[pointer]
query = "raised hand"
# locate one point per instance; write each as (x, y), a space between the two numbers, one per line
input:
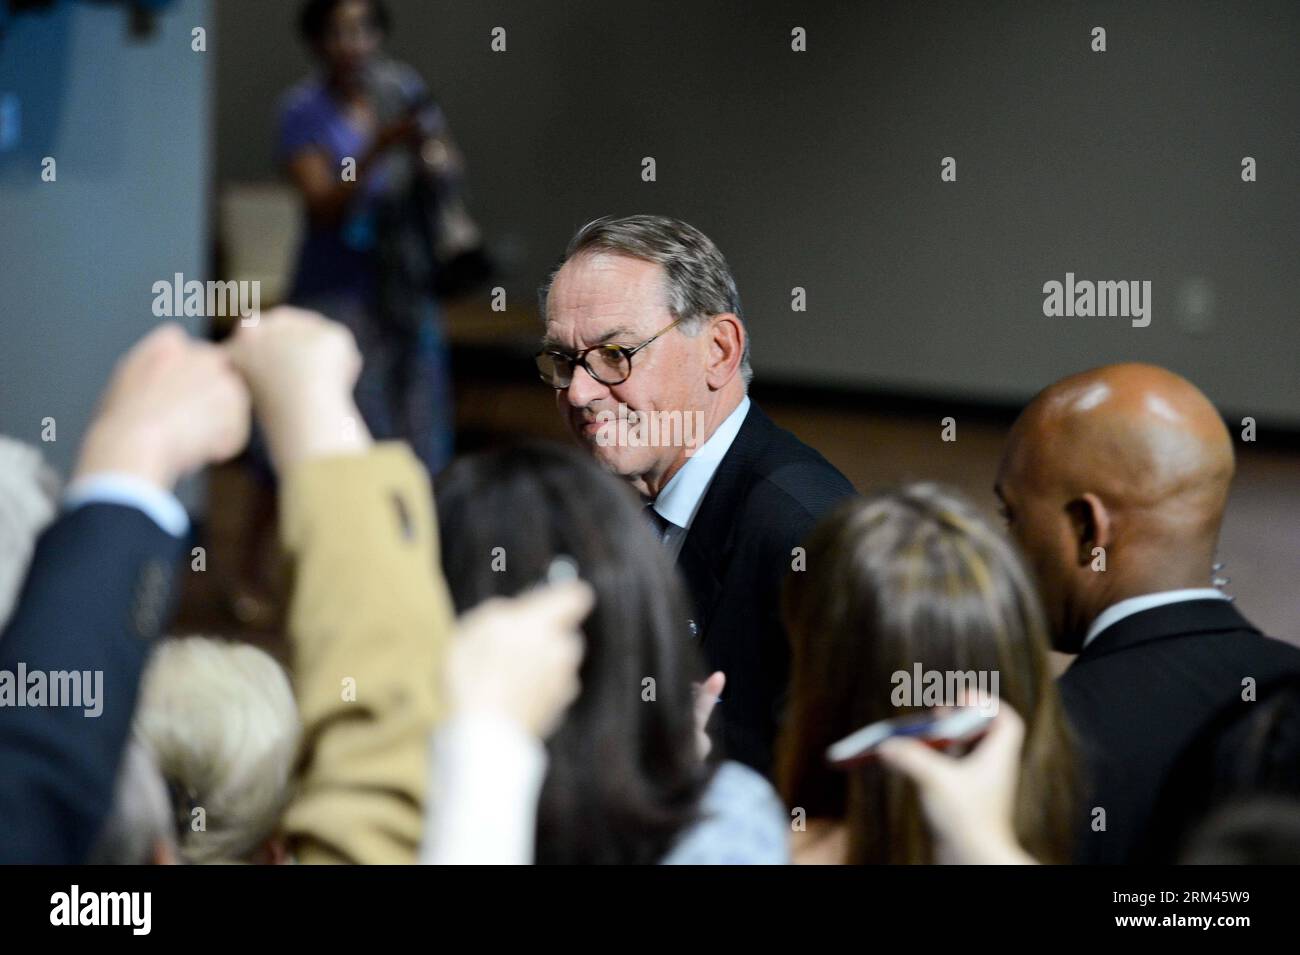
(173, 405)
(301, 369)
(968, 802)
(518, 657)
(707, 695)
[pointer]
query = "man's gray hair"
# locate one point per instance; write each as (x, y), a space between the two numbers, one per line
(141, 820)
(699, 282)
(221, 720)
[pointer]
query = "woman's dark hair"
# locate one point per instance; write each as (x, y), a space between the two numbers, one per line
(625, 777)
(314, 18)
(914, 576)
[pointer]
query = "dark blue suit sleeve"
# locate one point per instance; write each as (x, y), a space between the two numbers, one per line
(96, 597)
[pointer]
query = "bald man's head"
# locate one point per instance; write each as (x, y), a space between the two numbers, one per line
(1114, 482)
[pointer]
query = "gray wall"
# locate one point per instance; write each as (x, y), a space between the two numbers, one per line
(127, 123)
(821, 169)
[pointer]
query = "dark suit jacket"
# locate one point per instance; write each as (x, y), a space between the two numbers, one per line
(96, 597)
(1139, 695)
(767, 493)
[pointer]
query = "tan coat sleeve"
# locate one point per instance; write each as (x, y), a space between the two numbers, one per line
(368, 625)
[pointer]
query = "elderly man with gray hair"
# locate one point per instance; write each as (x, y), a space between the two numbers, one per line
(648, 354)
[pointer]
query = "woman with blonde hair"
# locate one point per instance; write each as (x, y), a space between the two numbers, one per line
(906, 578)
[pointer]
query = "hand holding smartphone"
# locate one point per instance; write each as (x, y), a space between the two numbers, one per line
(941, 728)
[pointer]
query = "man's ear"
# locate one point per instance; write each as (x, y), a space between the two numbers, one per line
(1091, 526)
(726, 348)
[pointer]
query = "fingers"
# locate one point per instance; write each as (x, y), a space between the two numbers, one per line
(1005, 738)
(245, 346)
(560, 609)
(230, 404)
(915, 760)
(706, 697)
(1000, 747)
(169, 337)
(563, 605)
(159, 346)
(242, 349)
(550, 607)
(554, 612)
(519, 657)
(174, 404)
(301, 369)
(566, 658)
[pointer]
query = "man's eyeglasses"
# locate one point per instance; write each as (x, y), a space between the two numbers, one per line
(609, 364)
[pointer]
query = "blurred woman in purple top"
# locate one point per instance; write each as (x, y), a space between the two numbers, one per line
(369, 151)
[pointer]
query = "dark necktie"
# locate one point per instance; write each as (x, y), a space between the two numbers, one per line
(657, 521)
(661, 525)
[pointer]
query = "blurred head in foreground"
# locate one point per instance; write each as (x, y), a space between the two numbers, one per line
(625, 776)
(221, 721)
(140, 829)
(906, 578)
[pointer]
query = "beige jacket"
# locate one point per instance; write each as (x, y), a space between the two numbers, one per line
(368, 626)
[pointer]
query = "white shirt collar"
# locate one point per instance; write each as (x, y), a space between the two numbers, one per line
(1126, 608)
(681, 497)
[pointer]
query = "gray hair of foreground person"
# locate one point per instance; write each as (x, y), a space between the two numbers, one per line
(140, 829)
(29, 494)
(221, 720)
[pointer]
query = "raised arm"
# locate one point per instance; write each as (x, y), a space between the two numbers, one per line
(99, 591)
(370, 615)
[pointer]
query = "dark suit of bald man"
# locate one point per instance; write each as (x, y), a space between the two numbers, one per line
(1138, 695)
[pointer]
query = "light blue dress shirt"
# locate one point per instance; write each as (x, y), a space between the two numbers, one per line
(680, 499)
(111, 487)
(1126, 608)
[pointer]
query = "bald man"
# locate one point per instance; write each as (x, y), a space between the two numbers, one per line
(1114, 483)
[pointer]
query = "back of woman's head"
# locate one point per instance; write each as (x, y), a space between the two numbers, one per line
(624, 776)
(221, 721)
(914, 577)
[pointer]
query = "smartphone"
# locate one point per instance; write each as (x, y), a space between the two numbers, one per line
(938, 729)
(561, 568)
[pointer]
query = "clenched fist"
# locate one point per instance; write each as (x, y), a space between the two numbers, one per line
(301, 369)
(173, 405)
